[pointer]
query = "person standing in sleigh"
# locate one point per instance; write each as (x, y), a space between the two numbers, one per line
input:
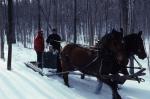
(54, 40)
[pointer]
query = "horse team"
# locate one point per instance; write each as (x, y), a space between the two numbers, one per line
(109, 56)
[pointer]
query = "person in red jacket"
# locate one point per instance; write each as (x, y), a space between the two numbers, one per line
(39, 47)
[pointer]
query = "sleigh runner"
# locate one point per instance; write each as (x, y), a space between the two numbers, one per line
(49, 61)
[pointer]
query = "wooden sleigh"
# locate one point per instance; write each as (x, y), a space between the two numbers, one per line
(49, 61)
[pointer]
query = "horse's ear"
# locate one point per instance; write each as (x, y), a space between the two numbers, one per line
(140, 33)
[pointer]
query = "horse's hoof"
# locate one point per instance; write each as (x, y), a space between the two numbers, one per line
(117, 96)
(67, 85)
(82, 76)
(97, 92)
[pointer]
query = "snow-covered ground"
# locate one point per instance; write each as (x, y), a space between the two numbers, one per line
(23, 83)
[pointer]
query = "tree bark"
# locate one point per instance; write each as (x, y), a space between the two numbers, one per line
(75, 21)
(124, 15)
(1, 31)
(10, 30)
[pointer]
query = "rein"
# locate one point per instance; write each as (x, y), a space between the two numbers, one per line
(137, 62)
(140, 66)
(87, 65)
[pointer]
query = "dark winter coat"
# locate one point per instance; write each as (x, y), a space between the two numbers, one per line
(54, 40)
(39, 42)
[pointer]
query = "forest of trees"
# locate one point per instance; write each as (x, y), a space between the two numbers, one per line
(75, 20)
(93, 18)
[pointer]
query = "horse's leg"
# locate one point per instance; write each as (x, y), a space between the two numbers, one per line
(113, 86)
(99, 86)
(82, 76)
(104, 70)
(115, 91)
(125, 71)
(65, 75)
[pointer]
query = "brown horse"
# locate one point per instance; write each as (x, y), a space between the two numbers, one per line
(133, 45)
(102, 61)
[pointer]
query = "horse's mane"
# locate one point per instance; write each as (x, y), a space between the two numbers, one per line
(104, 41)
(107, 38)
(130, 36)
(131, 39)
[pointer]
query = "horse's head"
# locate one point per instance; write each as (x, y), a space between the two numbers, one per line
(134, 45)
(116, 45)
(113, 42)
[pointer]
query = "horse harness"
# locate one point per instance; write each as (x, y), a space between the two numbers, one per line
(101, 54)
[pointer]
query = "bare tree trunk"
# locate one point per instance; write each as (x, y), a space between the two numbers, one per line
(1, 32)
(148, 56)
(92, 22)
(2, 44)
(124, 15)
(39, 16)
(131, 29)
(147, 36)
(106, 15)
(17, 21)
(55, 13)
(10, 19)
(147, 45)
(75, 21)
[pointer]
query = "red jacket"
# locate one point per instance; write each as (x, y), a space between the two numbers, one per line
(39, 42)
